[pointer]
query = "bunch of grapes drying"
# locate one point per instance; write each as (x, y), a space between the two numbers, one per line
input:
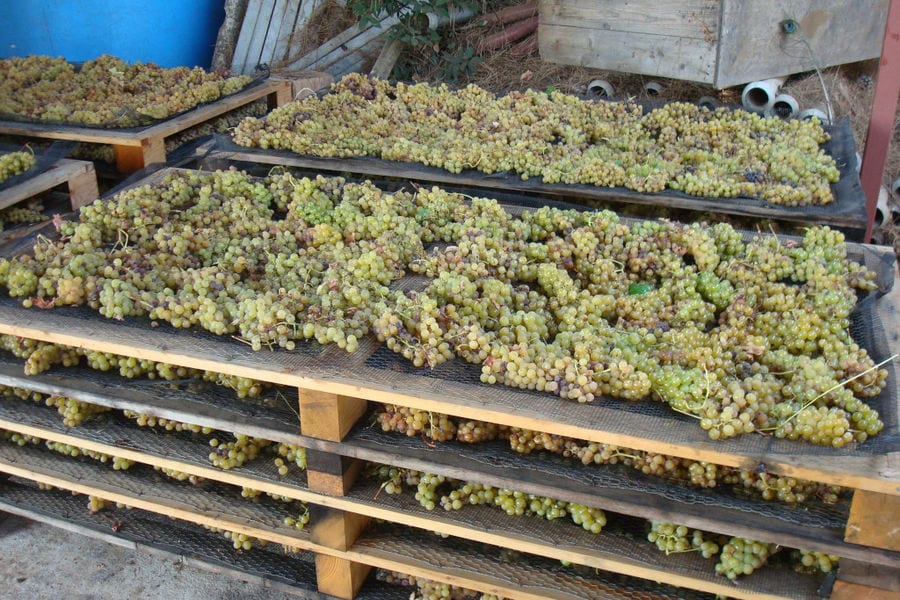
(743, 335)
(13, 163)
(722, 153)
(105, 91)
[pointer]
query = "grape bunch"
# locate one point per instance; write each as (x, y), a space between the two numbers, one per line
(719, 153)
(14, 163)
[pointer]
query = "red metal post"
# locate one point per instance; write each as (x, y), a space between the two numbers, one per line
(884, 107)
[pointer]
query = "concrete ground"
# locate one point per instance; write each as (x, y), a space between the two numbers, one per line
(42, 562)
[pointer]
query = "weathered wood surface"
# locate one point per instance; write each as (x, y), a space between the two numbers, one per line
(874, 520)
(753, 46)
(718, 42)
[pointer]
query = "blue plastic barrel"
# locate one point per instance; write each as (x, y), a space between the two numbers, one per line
(169, 33)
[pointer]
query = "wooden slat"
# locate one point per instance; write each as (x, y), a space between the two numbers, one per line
(881, 577)
(78, 174)
(281, 26)
(697, 19)
(874, 520)
(753, 46)
(254, 26)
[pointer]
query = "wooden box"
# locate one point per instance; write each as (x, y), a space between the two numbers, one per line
(717, 42)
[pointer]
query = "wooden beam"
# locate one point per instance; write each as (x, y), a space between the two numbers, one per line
(328, 416)
(881, 123)
(331, 474)
(844, 590)
(340, 577)
(334, 528)
(874, 521)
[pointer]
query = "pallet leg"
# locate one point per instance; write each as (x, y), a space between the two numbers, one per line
(334, 528)
(340, 577)
(134, 158)
(281, 96)
(328, 416)
(83, 187)
(873, 520)
(331, 474)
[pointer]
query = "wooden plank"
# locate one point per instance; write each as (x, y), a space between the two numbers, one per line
(254, 19)
(328, 416)
(698, 19)
(753, 46)
(387, 58)
(882, 577)
(281, 27)
(874, 520)
(79, 174)
(687, 58)
(844, 590)
(263, 27)
(340, 577)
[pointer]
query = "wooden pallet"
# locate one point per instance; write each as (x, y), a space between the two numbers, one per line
(334, 390)
(78, 175)
(139, 147)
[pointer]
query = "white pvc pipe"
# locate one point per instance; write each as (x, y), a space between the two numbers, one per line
(600, 88)
(457, 15)
(809, 113)
(758, 95)
(653, 88)
(784, 106)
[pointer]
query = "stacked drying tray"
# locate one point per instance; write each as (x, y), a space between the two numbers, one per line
(132, 107)
(338, 394)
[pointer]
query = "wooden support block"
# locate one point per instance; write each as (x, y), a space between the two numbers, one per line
(133, 158)
(880, 577)
(873, 520)
(328, 416)
(340, 577)
(331, 474)
(844, 590)
(83, 187)
(281, 96)
(335, 528)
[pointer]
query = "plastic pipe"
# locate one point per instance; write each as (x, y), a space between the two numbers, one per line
(709, 102)
(784, 106)
(457, 15)
(758, 95)
(600, 88)
(809, 113)
(653, 88)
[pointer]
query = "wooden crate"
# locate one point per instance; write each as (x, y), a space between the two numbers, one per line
(718, 42)
(139, 147)
(328, 391)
